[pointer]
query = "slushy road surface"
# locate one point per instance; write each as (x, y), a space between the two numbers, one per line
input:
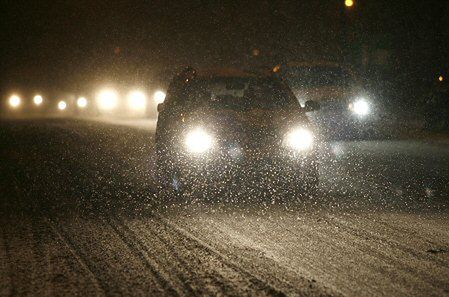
(80, 215)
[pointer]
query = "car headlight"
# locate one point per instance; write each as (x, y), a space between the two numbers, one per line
(107, 100)
(299, 139)
(198, 141)
(360, 107)
(159, 96)
(62, 105)
(137, 100)
(81, 102)
(38, 100)
(14, 101)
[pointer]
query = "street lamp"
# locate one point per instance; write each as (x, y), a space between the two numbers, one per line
(349, 3)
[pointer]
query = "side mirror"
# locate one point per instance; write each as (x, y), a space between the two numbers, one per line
(160, 107)
(311, 105)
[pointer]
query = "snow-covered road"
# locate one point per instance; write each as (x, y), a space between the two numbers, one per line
(80, 216)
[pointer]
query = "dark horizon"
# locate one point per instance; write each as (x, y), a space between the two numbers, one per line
(70, 47)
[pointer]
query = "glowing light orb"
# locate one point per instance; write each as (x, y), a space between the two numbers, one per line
(81, 102)
(62, 105)
(360, 107)
(159, 96)
(349, 3)
(198, 141)
(14, 101)
(107, 100)
(137, 100)
(38, 100)
(300, 139)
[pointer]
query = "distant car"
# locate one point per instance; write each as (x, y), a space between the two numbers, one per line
(346, 109)
(227, 127)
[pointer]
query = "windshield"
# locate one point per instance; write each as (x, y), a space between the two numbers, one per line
(318, 76)
(239, 93)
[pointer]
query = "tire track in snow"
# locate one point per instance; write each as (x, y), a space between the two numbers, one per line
(343, 275)
(210, 277)
(304, 269)
(260, 284)
(179, 267)
(136, 248)
(375, 259)
(394, 252)
(100, 285)
(358, 231)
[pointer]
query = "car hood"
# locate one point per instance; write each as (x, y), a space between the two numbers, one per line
(325, 94)
(254, 118)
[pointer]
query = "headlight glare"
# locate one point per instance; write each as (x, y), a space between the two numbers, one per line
(360, 107)
(299, 139)
(159, 96)
(62, 105)
(14, 101)
(38, 100)
(81, 102)
(137, 100)
(198, 141)
(107, 100)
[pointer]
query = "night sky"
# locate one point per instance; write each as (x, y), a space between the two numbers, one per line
(71, 45)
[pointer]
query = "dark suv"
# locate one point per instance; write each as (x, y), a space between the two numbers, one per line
(227, 127)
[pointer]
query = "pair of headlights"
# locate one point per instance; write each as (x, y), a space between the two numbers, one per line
(199, 141)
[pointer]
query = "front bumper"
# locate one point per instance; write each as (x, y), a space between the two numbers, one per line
(254, 169)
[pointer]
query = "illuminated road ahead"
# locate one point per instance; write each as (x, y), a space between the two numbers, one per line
(80, 215)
